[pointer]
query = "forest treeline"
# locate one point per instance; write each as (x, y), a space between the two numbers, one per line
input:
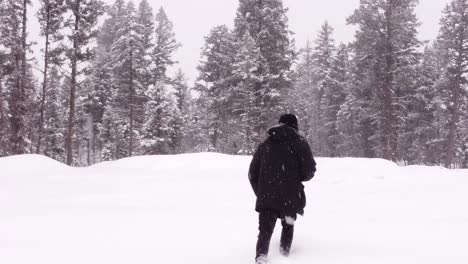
(108, 86)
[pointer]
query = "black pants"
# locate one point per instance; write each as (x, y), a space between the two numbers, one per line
(267, 222)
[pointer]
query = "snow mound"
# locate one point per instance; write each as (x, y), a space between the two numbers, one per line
(28, 164)
(198, 209)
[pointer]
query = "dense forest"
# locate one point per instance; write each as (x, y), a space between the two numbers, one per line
(109, 87)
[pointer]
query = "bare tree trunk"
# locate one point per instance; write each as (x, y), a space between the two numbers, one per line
(44, 83)
(132, 95)
(389, 129)
(93, 144)
(454, 111)
(23, 47)
(456, 94)
(2, 121)
(88, 152)
(74, 59)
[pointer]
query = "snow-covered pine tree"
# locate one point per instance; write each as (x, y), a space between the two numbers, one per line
(157, 131)
(17, 84)
(108, 136)
(180, 116)
(246, 69)
(108, 30)
(99, 95)
(334, 98)
(386, 46)
(351, 120)
(82, 24)
(54, 129)
(323, 92)
(160, 130)
(101, 91)
(300, 99)
(213, 83)
(51, 19)
(453, 94)
(267, 23)
(146, 20)
(196, 132)
(165, 46)
(128, 58)
(423, 123)
(407, 89)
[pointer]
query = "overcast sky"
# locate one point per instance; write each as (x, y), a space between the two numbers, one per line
(194, 19)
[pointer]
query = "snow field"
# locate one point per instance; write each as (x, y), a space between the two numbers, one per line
(198, 208)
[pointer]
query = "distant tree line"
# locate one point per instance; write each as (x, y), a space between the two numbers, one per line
(109, 87)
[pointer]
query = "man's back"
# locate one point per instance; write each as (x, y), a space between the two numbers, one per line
(278, 169)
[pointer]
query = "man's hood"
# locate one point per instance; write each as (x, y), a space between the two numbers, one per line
(282, 133)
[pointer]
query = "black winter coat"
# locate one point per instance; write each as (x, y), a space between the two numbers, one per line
(277, 170)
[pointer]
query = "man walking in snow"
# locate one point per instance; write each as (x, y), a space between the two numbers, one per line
(276, 173)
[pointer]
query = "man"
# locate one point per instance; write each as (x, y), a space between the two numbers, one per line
(276, 173)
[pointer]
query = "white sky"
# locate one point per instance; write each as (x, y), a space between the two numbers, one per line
(194, 19)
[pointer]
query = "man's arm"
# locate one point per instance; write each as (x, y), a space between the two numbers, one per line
(307, 162)
(254, 170)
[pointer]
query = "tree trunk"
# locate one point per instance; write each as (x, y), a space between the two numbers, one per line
(44, 83)
(74, 59)
(389, 129)
(132, 95)
(454, 110)
(23, 47)
(88, 151)
(2, 122)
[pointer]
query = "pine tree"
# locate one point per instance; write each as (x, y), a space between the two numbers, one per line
(246, 74)
(16, 80)
(350, 122)
(54, 130)
(196, 133)
(453, 42)
(161, 131)
(213, 82)
(166, 45)
(103, 89)
(85, 14)
(99, 96)
(108, 132)
(145, 19)
(266, 22)
(423, 123)
(108, 31)
(128, 55)
(180, 115)
(334, 98)
(386, 45)
(51, 18)
(157, 131)
(323, 56)
(301, 98)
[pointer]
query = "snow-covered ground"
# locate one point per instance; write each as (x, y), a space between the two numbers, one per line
(198, 209)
